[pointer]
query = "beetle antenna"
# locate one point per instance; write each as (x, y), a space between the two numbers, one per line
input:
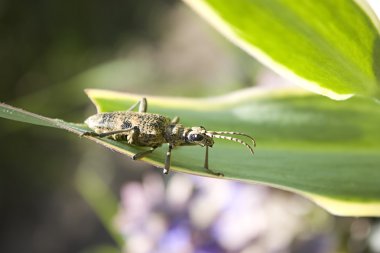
(234, 133)
(231, 139)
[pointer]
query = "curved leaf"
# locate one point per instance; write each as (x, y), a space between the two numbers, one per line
(325, 150)
(329, 47)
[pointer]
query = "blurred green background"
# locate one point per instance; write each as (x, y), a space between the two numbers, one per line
(49, 52)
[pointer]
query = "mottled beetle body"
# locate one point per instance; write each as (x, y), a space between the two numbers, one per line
(152, 130)
(151, 127)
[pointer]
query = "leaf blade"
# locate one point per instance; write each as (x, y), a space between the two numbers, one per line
(337, 169)
(308, 144)
(328, 47)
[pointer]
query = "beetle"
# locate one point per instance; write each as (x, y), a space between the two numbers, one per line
(152, 130)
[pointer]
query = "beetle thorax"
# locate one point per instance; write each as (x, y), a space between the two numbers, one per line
(176, 133)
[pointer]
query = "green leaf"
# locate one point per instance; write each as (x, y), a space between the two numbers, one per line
(10, 112)
(329, 47)
(325, 150)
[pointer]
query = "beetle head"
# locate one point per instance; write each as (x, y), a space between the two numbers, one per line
(198, 135)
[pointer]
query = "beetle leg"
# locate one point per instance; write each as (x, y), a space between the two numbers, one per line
(142, 103)
(207, 168)
(206, 159)
(89, 133)
(133, 135)
(175, 120)
(167, 160)
(143, 153)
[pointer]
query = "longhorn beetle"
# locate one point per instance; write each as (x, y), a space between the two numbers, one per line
(152, 130)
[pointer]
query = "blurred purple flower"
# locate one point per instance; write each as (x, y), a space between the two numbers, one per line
(195, 214)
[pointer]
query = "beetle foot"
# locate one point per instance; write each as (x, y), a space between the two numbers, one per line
(218, 174)
(92, 134)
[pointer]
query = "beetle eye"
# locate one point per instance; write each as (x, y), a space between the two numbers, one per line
(196, 137)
